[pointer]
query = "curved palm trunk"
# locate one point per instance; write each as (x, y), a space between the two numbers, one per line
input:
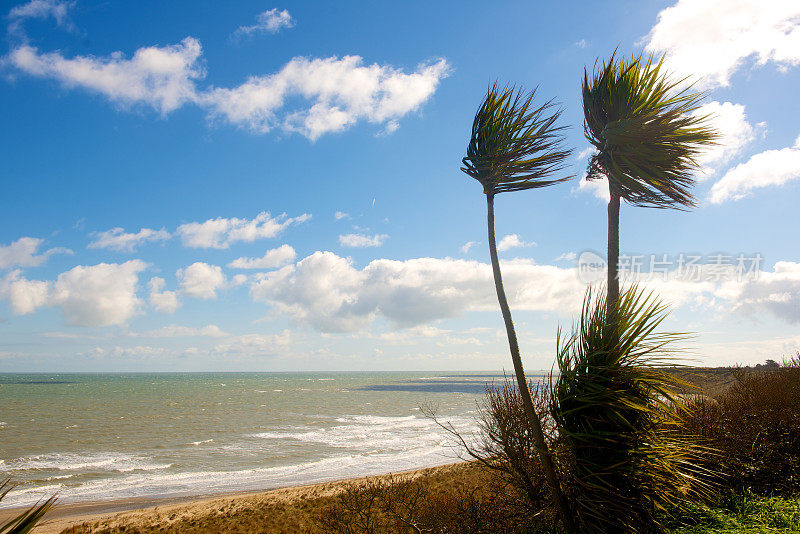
(522, 383)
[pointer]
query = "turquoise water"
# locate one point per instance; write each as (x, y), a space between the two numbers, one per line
(101, 436)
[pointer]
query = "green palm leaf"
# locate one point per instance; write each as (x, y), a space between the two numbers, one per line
(642, 125)
(515, 145)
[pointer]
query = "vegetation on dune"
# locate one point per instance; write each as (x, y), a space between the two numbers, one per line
(615, 409)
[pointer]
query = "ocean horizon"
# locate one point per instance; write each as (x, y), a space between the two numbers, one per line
(103, 436)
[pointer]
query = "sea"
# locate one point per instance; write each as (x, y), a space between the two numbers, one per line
(89, 437)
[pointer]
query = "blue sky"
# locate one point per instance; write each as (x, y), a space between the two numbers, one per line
(251, 186)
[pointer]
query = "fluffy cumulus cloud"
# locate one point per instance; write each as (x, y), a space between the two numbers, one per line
(270, 21)
(160, 77)
(512, 241)
(98, 295)
(329, 293)
(119, 239)
(276, 257)
(712, 39)
(25, 296)
(95, 295)
(768, 168)
(730, 121)
(24, 253)
(221, 232)
(362, 241)
(465, 248)
(201, 280)
(160, 299)
(337, 92)
(311, 96)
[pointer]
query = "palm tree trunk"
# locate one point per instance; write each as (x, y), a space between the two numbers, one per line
(613, 256)
(535, 424)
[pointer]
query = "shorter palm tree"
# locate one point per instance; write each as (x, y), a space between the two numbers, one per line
(516, 146)
(615, 408)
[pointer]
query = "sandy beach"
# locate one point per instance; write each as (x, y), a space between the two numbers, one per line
(289, 509)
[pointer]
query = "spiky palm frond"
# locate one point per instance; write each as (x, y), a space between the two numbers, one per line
(642, 125)
(24, 522)
(515, 145)
(614, 406)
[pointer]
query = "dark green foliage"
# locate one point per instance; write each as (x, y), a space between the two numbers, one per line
(615, 410)
(28, 519)
(742, 513)
(755, 424)
(642, 126)
(514, 145)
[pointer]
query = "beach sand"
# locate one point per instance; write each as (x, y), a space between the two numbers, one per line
(290, 509)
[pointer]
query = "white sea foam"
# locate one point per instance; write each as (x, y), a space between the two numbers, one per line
(155, 484)
(202, 441)
(94, 462)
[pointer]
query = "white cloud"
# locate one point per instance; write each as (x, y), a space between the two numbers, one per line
(311, 96)
(512, 241)
(597, 187)
(327, 292)
(95, 295)
(712, 39)
(118, 239)
(730, 121)
(98, 295)
(772, 167)
(362, 241)
(582, 43)
(337, 92)
(276, 257)
(468, 245)
(567, 256)
(201, 280)
(25, 296)
(163, 301)
(221, 232)
(161, 77)
(171, 331)
(39, 9)
(23, 253)
(270, 21)
(339, 215)
(254, 344)
(777, 292)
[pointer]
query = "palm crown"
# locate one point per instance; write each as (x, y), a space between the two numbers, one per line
(514, 145)
(645, 133)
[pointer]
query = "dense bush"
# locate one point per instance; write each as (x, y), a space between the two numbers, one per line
(755, 427)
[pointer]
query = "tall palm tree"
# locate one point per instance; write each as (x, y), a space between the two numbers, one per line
(641, 123)
(516, 146)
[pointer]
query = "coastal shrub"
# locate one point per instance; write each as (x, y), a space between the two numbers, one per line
(475, 501)
(755, 426)
(615, 409)
(505, 447)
